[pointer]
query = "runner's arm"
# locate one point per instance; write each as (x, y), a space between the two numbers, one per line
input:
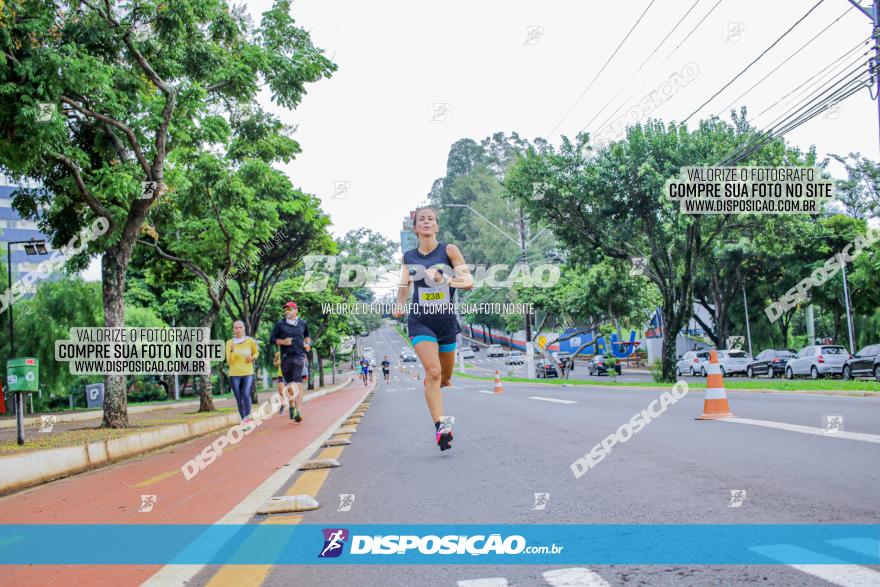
(307, 337)
(462, 278)
(403, 285)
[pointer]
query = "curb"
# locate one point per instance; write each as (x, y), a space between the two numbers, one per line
(27, 469)
(246, 510)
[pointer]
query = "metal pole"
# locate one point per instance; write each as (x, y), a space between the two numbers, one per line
(876, 32)
(530, 352)
(746, 307)
(176, 383)
(849, 323)
(19, 400)
(811, 325)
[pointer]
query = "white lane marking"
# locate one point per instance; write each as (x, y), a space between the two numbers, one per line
(806, 429)
(489, 582)
(574, 577)
(845, 575)
(832, 570)
(486, 391)
(550, 399)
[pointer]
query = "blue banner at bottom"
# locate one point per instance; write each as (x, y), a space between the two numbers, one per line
(279, 544)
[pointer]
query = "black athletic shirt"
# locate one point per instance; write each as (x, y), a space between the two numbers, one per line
(298, 333)
(425, 293)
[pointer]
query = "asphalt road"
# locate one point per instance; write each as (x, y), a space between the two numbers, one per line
(676, 470)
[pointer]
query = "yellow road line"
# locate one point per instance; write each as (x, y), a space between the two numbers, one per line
(157, 478)
(308, 482)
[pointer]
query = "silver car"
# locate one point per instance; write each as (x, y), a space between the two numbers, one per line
(816, 361)
(734, 361)
(691, 363)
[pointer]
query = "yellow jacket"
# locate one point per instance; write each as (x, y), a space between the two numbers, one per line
(236, 353)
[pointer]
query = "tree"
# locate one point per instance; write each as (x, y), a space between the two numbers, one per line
(245, 198)
(860, 191)
(612, 203)
(105, 91)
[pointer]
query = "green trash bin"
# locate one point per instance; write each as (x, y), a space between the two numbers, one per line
(23, 374)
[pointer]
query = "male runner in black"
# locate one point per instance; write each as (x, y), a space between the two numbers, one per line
(386, 369)
(292, 335)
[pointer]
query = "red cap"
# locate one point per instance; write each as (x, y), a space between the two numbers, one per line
(290, 304)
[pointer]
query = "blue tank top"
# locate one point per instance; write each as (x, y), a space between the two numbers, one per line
(429, 292)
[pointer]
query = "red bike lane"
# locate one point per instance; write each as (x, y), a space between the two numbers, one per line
(113, 495)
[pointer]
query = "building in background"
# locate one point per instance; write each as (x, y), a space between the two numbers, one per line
(14, 228)
(408, 239)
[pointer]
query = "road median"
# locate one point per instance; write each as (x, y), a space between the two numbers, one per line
(786, 387)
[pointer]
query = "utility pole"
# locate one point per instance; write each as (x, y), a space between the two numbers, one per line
(530, 352)
(849, 322)
(746, 308)
(874, 14)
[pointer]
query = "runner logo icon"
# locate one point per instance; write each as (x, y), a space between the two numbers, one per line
(334, 540)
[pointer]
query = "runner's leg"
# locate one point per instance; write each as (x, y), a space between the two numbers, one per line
(428, 354)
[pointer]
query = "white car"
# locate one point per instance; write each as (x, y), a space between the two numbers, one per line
(691, 363)
(466, 353)
(515, 358)
(816, 361)
(734, 361)
(495, 350)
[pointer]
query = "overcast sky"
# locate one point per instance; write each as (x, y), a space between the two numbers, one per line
(521, 66)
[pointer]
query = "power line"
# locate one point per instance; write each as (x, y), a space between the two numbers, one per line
(662, 63)
(841, 89)
(805, 106)
(820, 74)
(790, 57)
(764, 52)
(648, 58)
(590, 85)
(787, 115)
(851, 88)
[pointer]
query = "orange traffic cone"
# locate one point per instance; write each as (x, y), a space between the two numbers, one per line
(715, 405)
(498, 387)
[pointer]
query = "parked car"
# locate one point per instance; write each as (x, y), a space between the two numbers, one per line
(494, 350)
(600, 365)
(691, 363)
(545, 368)
(408, 357)
(466, 353)
(865, 363)
(770, 362)
(475, 347)
(816, 361)
(514, 358)
(732, 361)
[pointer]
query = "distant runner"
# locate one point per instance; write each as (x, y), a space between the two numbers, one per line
(365, 370)
(386, 369)
(434, 270)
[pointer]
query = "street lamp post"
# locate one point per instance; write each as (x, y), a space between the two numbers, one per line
(31, 247)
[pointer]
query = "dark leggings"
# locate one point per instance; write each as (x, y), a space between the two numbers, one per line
(241, 389)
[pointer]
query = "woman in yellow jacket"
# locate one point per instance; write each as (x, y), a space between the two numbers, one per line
(241, 352)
